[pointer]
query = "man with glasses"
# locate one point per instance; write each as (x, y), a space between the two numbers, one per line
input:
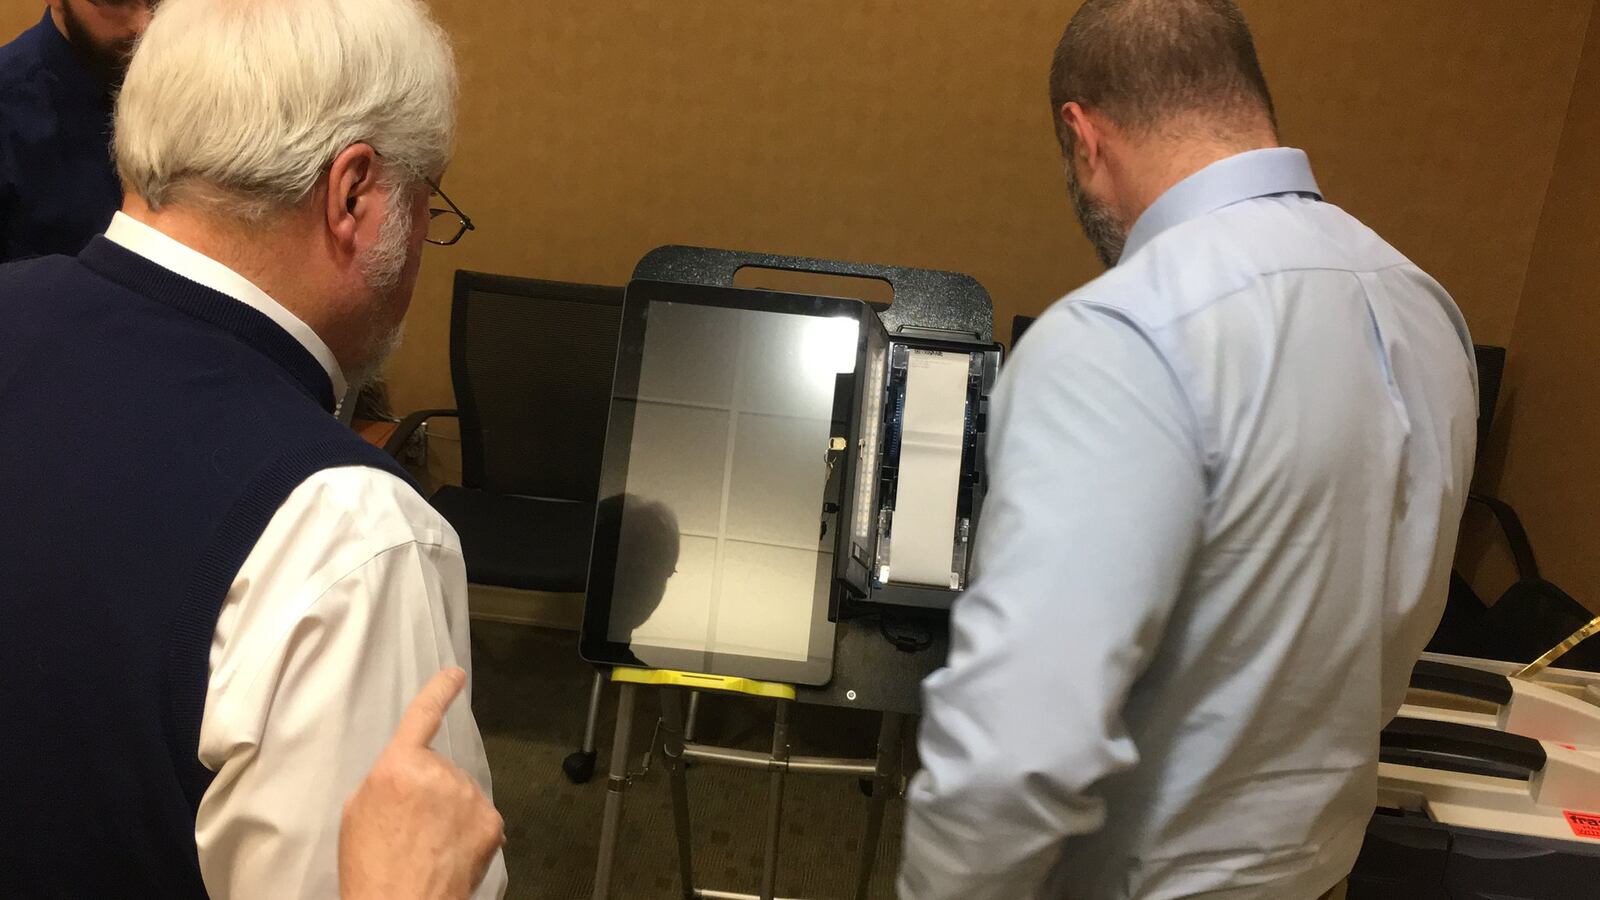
(218, 601)
(369, 399)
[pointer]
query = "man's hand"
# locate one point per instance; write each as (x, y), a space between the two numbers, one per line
(417, 828)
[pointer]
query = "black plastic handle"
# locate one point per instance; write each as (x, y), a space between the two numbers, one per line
(926, 297)
(1460, 748)
(1461, 681)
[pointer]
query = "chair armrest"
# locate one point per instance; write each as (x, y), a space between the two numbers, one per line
(409, 424)
(1516, 536)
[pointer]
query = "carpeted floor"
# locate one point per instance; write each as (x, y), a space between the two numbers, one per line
(529, 694)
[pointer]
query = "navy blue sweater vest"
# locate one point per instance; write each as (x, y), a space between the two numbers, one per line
(149, 429)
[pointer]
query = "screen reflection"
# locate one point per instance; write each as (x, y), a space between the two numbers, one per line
(720, 548)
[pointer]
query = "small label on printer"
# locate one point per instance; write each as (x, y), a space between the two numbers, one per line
(1584, 825)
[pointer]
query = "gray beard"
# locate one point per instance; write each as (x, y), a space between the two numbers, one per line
(1099, 223)
(381, 267)
(378, 357)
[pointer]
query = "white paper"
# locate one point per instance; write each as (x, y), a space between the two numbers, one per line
(922, 541)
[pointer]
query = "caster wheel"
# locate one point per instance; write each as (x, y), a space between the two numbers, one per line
(579, 766)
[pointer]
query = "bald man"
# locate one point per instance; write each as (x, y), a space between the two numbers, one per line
(1227, 476)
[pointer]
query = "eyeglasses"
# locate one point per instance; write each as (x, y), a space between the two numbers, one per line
(446, 226)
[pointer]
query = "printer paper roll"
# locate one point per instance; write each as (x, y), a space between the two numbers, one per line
(922, 539)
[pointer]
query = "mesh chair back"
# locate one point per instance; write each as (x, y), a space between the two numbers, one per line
(532, 363)
(1019, 324)
(1491, 366)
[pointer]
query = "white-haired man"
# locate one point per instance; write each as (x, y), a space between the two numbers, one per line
(217, 601)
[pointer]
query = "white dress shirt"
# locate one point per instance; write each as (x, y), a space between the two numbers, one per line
(1226, 482)
(352, 598)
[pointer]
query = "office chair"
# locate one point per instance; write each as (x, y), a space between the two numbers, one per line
(1530, 616)
(1019, 324)
(531, 362)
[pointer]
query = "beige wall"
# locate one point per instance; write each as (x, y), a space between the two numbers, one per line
(14, 17)
(1545, 454)
(918, 133)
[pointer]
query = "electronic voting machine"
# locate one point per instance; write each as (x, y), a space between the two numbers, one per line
(777, 461)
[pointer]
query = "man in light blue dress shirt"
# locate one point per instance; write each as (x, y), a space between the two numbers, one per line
(1226, 481)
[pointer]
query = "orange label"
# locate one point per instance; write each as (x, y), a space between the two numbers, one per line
(1584, 825)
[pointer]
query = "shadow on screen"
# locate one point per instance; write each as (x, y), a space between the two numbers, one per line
(647, 557)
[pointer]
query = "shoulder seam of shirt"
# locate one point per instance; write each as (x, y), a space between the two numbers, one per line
(311, 604)
(1142, 326)
(426, 506)
(397, 545)
(410, 538)
(1142, 329)
(268, 488)
(1217, 298)
(1353, 270)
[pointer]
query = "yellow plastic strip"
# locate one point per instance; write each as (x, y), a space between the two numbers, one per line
(1559, 650)
(699, 682)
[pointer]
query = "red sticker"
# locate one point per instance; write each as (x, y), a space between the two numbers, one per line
(1584, 825)
(1568, 746)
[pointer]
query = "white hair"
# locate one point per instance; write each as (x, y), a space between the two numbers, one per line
(243, 104)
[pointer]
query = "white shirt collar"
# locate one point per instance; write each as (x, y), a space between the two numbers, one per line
(170, 254)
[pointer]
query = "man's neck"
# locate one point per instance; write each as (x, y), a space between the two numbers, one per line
(254, 253)
(60, 23)
(1160, 164)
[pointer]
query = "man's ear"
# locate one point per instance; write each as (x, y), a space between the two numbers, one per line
(353, 193)
(1086, 135)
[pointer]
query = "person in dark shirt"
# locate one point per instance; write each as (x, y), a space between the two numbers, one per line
(58, 187)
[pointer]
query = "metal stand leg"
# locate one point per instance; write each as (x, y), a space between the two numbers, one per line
(592, 723)
(611, 830)
(694, 715)
(579, 766)
(780, 768)
(883, 778)
(672, 737)
(676, 753)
